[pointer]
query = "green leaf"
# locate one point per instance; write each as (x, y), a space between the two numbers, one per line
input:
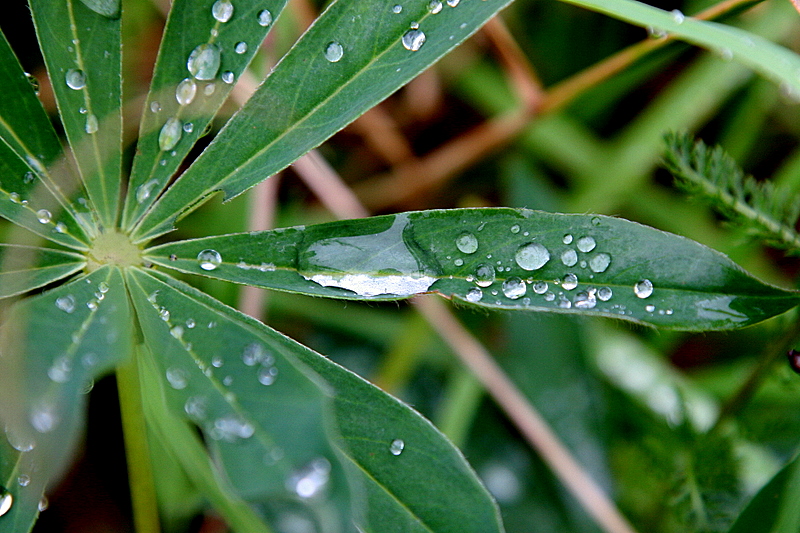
(496, 258)
(26, 267)
(82, 52)
(180, 103)
(107, 8)
(258, 407)
(309, 97)
(43, 385)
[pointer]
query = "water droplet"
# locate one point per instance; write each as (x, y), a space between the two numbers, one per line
(570, 281)
(532, 256)
(28, 177)
(203, 62)
(586, 244)
(310, 480)
(453, 3)
(563, 302)
(240, 47)
(540, 287)
(24, 480)
(195, 407)
(208, 90)
(484, 275)
(209, 259)
(66, 303)
(643, 288)
(144, 190)
(222, 10)
(264, 18)
(474, 295)
(414, 25)
(586, 299)
(163, 314)
(334, 51)
(413, 40)
(91, 124)
(678, 16)
(569, 257)
(61, 369)
(515, 228)
(467, 243)
(217, 361)
(397, 446)
(155, 107)
(170, 134)
(604, 294)
(230, 428)
(6, 501)
(267, 375)
(60, 228)
(43, 504)
(228, 77)
(650, 308)
(44, 216)
(596, 221)
(514, 288)
(44, 418)
(599, 263)
(549, 296)
(186, 91)
(177, 378)
(176, 332)
(254, 353)
(397, 9)
(76, 79)
(458, 262)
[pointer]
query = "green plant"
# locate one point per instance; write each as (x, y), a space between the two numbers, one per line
(283, 431)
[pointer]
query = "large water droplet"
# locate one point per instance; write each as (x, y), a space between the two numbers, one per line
(170, 134)
(186, 91)
(413, 40)
(203, 62)
(484, 275)
(514, 288)
(312, 479)
(177, 378)
(91, 124)
(264, 18)
(240, 47)
(209, 259)
(570, 281)
(467, 243)
(532, 256)
(334, 51)
(599, 263)
(569, 257)
(435, 6)
(643, 288)
(75, 79)
(66, 303)
(586, 244)
(6, 501)
(222, 10)
(474, 295)
(397, 446)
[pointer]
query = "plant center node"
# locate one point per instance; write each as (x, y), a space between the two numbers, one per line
(113, 248)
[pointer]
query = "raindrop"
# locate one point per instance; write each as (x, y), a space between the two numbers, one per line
(434, 6)
(532, 256)
(170, 134)
(334, 51)
(467, 243)
(540, 287)
(144, 190)
(229, 428)
(570, 281)
(397, 446)
(309, 481)
(66, 303)
(586, 299)
(604, 294)
(595, 221)
(599, 263)
(24, 480)
(453, 3)
(563, 303)
(514, 288)
(14, 197)
(186, 91)
(155, 107)
(458, 262)
(44, 216)
(254, 353)
(228, 77)
(91, 124)
(222, 10)
(474, 295)
(678, 16)
(227, 381)
(643, 288)
(569, 257)
(203, 62)
(6, 500)
(76, 79)
(209, 259)
(413, 40)
(586, 244)
(264, 18)
(484, 275)
(267, 375)
(397, 9)
(177, 378)
(240, 47)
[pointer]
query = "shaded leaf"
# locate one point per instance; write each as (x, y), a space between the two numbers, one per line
(497, 258)
(25, 267)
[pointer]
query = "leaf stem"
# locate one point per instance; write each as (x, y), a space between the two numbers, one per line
(140, 473)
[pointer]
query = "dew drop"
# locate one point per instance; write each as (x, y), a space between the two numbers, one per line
(66, 303)
(586, 299)
(267, 375)
(44, 216)
(44, 418)
(177, 378)
(186, 91)
(203, 62)
(540, 287)
(604, 294)
(33, 82)
(264, 18)
(76, 79)
(228, 77)
(176, 332)
(43, 504)
(596, 221)
(310, 480)
(397, 446)
(155, 107)
(435, 6)
(458, 262)
(163, 314)
(586, 244)
(474, 295)
(91, 124)
(195, 407)
(563, 302)
(467, 243)
(599, 263)
(515, 228)
(570, 281)
(413, 40)
(60, 228)
(217, 361)
(397, 9)
(222, 10)
(144, 190)
(567, 239)
(514, 288)
(650, 308)
(24, 480)
(254, 353)
(28, 177)
(549, 296)
(61, 370)
(678, 16)
(334, 51)
(643, 288)
(170, 134)
(240, 47)
(569, 257)
(453, 3)
(532, 256)
(6, 501)
(484, 275)
(208, 90)
(209, 259)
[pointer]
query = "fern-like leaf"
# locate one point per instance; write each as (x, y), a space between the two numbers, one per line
(767, 211)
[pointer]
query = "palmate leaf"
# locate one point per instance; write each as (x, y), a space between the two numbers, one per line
(496, 258)
(181, 103)
(43, 384)
(24, 268)
(405, 468)
(355, 55)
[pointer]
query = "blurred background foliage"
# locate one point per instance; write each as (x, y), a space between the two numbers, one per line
(682, 429)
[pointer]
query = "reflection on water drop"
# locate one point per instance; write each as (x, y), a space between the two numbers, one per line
(43, 504)
(6, 501)
(75, 79)
(599, 262)
(515, 228)
(643, 288)
(569, 257)
(514, 288)
(650, 308)
(567, 239)
(413, 40)
(209, 259)
(474, 295)
(484, 275)
(453, 3)
(678, 16)
(334, 51)
(397, 446)
(549, 296)
(228, 77)
(570, 281)
(397, 8)
(203, 62)
(467, 243)
(532, 256)
(586, 244)
(44, 418)
(222, 10)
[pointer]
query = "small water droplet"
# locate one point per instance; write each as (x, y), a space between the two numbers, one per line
(34, 83)
(334, 51)
(91, 125)
(6, 501)
(43, 504)
(267, 375)
(310, 480)
(540, 287)
(163, 314)
(397, 446)
(563, 302)
(596, 221)
(586, 244)
(61, 369)
(217, 361)
(208, 90)
(467, 243)
(186, 91)
(75, 79)
(515, 228)
(458, 262)
(604, 294)
(28, 177)
(569, 257)
(643, 288)
(209, 259)
(177, 378)
(453, 3)
(176, 332)
(44, 216)
(264, 18)
(599, 263)
(532, 256)
(586, 299)
(549, 296)
(24, 480)
(570, 281)
(413, 40)
(66, 303)
(678, 16)
(435, 6)
(514, 288)
(240, 47)
(170, 134)
(44, 418)
(397, 8)
(60, 228)
(230, 428)
(195, 407)
(155, 107)
(650, 308)
(254, 353)
(144, 190)
(222, 10)
(228, 77)
(203, 62)
(474, 295)
(484, 275)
